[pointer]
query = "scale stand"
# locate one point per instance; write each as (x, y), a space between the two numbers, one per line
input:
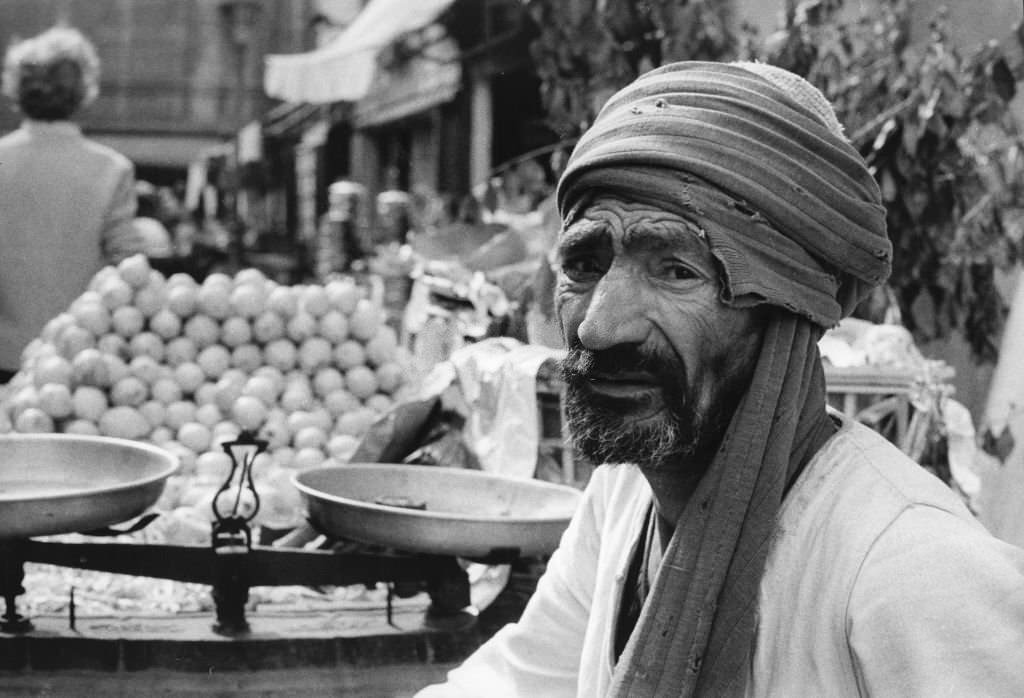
(231, 565)
(12, 574)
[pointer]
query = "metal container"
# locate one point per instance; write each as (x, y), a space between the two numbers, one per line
(62, 483)
(466, 513)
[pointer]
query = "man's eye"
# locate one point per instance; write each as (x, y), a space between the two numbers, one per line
(581, 268)
(680, 272)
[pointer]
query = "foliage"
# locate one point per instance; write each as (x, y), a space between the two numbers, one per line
(587, 49)
(937, 130)
(935, 126)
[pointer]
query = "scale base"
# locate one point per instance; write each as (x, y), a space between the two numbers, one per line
(16, 625)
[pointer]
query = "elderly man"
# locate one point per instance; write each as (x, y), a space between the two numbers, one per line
(746, 541)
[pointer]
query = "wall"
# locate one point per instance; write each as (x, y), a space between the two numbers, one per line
(170, 81)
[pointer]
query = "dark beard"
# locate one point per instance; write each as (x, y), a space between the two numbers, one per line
(676, 432)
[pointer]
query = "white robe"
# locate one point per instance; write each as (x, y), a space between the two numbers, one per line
(879, 583)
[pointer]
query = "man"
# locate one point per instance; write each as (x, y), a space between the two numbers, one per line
(749, 542)
(66, 203)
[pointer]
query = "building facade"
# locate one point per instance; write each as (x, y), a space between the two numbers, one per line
(177, 76)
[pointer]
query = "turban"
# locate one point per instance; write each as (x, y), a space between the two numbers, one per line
(754, 156)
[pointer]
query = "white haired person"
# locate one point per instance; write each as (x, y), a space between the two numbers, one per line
(740, 539)
(66, 202)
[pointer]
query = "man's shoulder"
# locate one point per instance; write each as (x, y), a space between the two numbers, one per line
(859, 464)
(853, 490)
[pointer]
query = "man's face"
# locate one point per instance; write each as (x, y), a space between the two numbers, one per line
(656, 363)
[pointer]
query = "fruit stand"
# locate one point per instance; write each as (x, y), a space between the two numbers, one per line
(200, 369)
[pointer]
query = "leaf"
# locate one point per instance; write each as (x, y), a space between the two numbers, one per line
(888, 185)
(883, 135)
(1013, 223)
(1002, 79)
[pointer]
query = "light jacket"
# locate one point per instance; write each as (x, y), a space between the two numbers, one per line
(66, 205)
(879, 583)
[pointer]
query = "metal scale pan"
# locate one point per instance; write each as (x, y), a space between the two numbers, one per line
(435, 510)
(61, 483)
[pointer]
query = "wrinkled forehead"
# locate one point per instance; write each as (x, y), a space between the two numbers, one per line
(620, 225)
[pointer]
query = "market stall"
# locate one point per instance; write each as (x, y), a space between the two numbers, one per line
(257, 393)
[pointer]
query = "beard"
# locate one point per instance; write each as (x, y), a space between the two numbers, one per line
(674, 427)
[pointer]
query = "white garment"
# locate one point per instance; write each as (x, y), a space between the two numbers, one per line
(66, 206)
(879, 583)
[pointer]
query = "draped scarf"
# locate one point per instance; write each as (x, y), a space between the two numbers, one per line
(793, 217)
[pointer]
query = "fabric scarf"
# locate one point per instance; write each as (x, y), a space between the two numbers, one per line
(794, 219)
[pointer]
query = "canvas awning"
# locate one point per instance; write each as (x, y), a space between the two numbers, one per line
(411, 87)
(343, 70)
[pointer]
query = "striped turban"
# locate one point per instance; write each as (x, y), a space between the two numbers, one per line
(754, 156)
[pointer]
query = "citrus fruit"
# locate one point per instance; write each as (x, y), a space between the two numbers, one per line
(235, 331)
(248, 300)
(249, 412)
(94, 317)
(129, 391)
(182, 300)
(179, 350)
(247, 357)
(267, 327)
(179, 413)
(280, 354)
(147, 344)
(189, 376)
(154, 412)
(134, 270)
(202, 329)
(349, 354)
(301, 327)
(283, 301)
(124, 422)
(361, 381)
(214, 360)
(314, 354)
(52, 369)
(343, 294)
(166, 390)
(89, 402)
(165, 323)
(55, 400)
(195, 436)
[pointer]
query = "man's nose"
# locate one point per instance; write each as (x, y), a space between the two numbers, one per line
(615, 314)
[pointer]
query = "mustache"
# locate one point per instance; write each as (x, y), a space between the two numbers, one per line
(580, 364)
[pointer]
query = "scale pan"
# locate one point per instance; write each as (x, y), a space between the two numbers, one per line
(63, 483)
(466, 513)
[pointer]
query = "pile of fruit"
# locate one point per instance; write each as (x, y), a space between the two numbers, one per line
(188, 365)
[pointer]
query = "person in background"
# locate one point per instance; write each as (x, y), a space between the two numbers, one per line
(740, 539)
(66, 202)
(341, 236)
(153, 234)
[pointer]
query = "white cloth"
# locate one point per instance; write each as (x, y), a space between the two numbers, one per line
(1002, 488)
(66, 208)
(343, 70)
(498, 378)
(879, 583)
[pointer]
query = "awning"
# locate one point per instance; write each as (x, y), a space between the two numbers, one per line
(343, 70)
(290, 119)
(411, 87)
